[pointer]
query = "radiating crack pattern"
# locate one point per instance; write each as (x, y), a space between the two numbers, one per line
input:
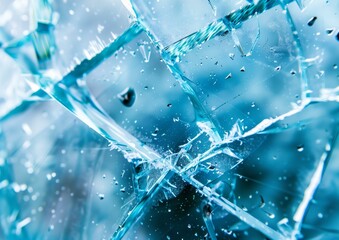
(243, 154)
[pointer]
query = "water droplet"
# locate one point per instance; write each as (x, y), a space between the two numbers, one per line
(292, 72)
(100, 28)
(242, 69)
(337, 36)
(189, 226)
(320, 215)
(228, 76)
(335, 66)
(311, 21)
(277, 68)
(27, 129)
(71, 12)
(127, 97)
(270, 215)
(211, 167)
(231, 55)
(207, 209)
(123, 189)
(300, 148)
(101, 196)
(176, 119)
(226, 231)
(329, 31)
(169, 105)
(51, 227)
(104, 176)
(155, 133)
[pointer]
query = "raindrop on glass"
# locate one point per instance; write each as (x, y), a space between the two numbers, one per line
(127, 97)
(101, 196)
(228, 76)
(300, 148)
(311, 21)
(329, 31)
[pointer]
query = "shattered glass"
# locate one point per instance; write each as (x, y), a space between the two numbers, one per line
(168, 119)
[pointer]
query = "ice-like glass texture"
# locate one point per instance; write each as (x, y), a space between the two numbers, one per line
(169, 119)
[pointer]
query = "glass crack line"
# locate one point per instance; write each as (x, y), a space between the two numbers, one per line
(222, 146)
(305, 90)
(313, 186)
(82, 114)
(87, 65)
(235, 210)
(216, 28)
(203, 119)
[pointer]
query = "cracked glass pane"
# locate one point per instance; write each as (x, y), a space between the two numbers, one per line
(169, 120)
(84, 28)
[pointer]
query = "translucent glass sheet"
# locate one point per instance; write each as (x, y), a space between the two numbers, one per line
(168, 119)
